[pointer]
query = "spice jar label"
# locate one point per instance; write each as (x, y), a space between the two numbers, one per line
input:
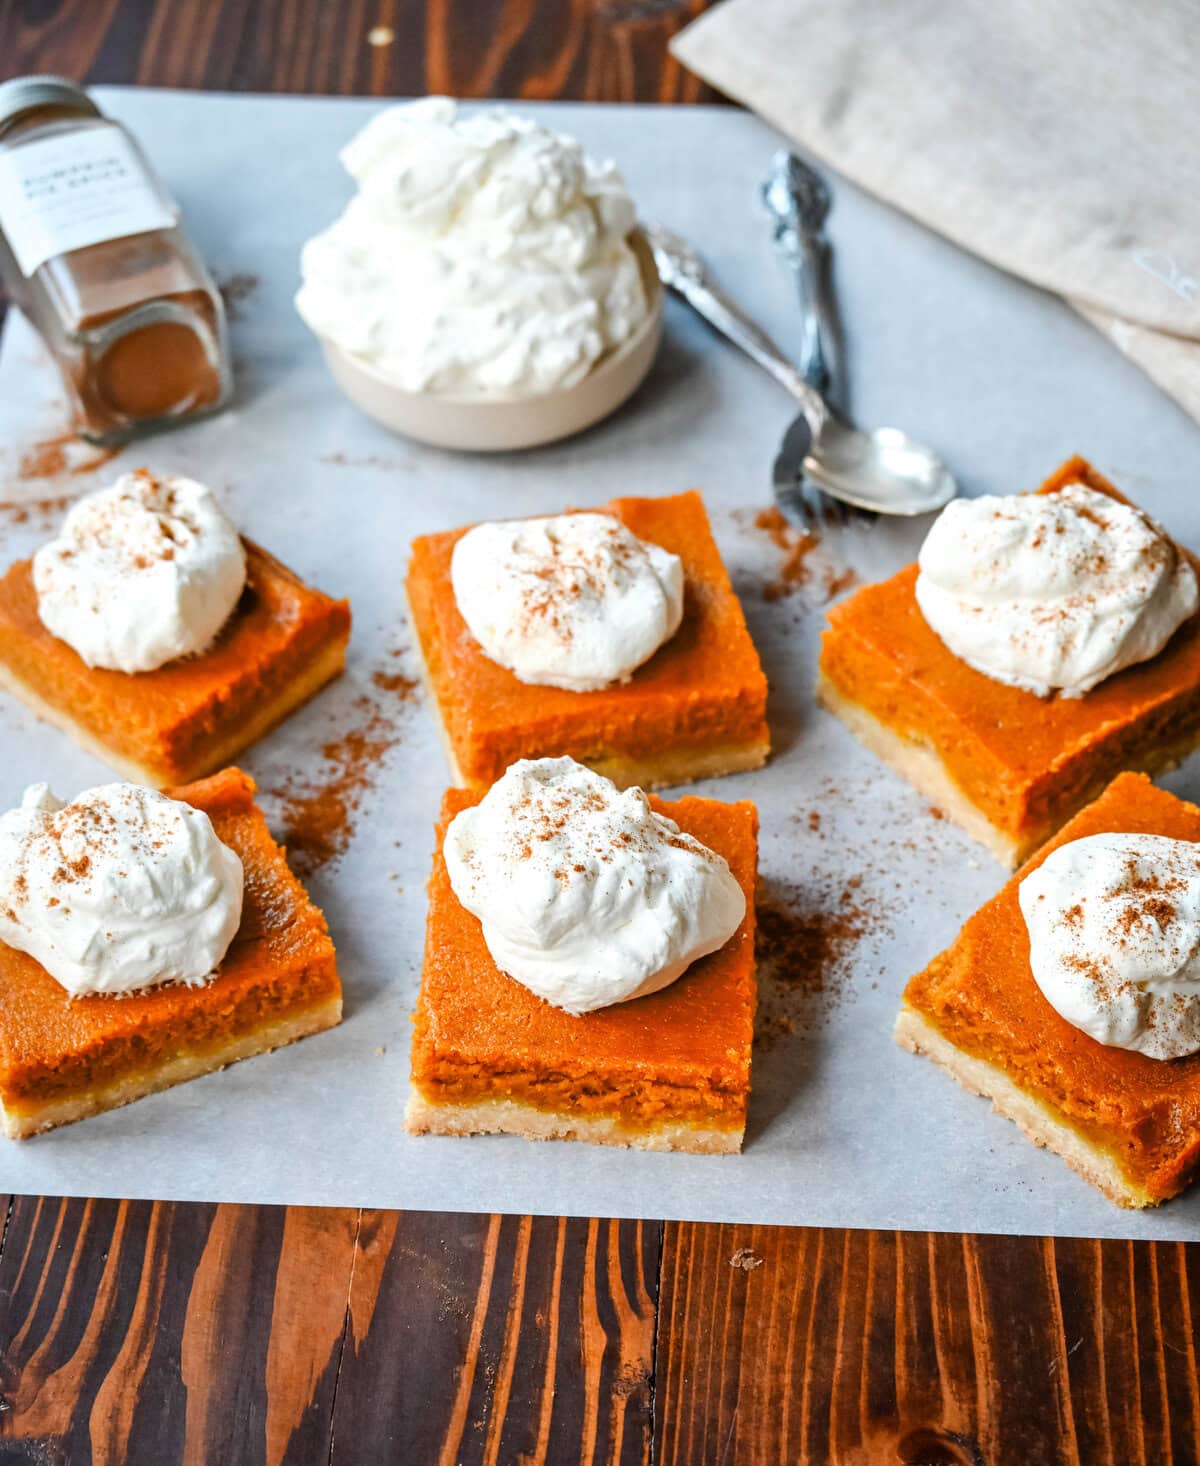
(63, 193)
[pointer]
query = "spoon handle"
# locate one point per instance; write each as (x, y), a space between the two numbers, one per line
(798, 201)
(682, 269)
(810, 259)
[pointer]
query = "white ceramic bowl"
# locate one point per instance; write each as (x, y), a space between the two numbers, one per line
(486, 423)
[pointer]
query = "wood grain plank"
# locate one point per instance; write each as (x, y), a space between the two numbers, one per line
(601, 50)
(66, 36)
(840, 1348)
(164, 1334)
(139, 1332)
(497, 1340)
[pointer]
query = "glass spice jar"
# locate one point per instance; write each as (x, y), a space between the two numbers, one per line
(92, 252)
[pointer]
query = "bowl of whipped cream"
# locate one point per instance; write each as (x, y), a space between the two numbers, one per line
(487, 287)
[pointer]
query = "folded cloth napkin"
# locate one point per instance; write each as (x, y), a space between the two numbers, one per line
(1056, 138)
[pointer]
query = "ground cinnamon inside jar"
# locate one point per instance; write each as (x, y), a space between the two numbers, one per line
(151, 371)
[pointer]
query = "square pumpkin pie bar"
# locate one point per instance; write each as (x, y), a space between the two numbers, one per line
(572, 616)
(668, 1070)
(1126, 1120)
(1009, 762)
(134, 574)
(64, 1057)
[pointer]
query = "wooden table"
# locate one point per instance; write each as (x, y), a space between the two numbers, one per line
(138, 1332)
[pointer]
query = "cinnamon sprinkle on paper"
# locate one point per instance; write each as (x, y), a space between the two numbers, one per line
(319, 821)
(802, 946)
(368, 460)
(235, 291)
(318, 816)
(41, 514)
(794, 546)
(65, 454)
(396, 683)
(837, 581)
(803, 566)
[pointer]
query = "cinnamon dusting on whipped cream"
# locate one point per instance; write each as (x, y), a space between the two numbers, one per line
(574, 601)
(121, 889)
(141, 573)
(555, 586)
(1114, 939)
(585, 894)
(1052, 592)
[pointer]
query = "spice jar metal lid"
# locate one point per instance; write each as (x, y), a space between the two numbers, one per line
(24, 93)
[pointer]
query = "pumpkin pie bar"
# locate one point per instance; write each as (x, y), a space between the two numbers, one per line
(1006, 764)
(283, 642)
(696, 709)
(1128, 1123)
(64, 1058)
(667, 1071)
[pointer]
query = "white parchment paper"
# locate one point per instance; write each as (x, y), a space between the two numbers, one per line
(845, 1128)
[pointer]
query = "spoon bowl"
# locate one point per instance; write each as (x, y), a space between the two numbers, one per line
(884, 470)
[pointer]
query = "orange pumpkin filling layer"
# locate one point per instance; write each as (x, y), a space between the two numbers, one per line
(281, 963)
(680, 1055)
(175, 723)
(980, 995)
(1024, 761)
(703, 691)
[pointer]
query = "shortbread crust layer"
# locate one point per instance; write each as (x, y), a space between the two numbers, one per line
(487, 1116)
(30, 1115)
(1038, 1121)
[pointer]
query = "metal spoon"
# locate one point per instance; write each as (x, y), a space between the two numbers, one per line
(884, 471)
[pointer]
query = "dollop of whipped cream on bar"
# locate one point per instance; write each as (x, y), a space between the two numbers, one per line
(1114, 939)
(574, 601)
(1055, 591)
(586, 896)
(482, 253)
(119, 890)
(141, 573)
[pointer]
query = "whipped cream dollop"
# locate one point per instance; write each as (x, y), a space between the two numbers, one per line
(121, 889)
(482, 253)
(1052, 592)
(586, 896)
(574, 600)
(1114, 939)
(141, 573)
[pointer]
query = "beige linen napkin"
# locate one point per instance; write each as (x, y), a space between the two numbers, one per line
(1059, 139)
